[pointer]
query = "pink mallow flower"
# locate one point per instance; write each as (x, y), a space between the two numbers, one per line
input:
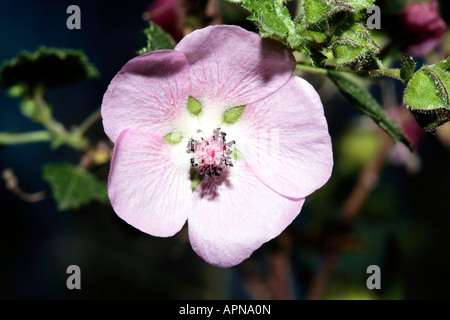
(256, 171)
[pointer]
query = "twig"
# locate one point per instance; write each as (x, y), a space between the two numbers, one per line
(89, 121)
(366, 182)
(12, 185)
(280, 273)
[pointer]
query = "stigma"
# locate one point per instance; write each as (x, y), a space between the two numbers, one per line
(210, 154)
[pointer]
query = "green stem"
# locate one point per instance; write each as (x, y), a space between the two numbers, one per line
(311, 69)
(20, 138)
(382, 72)
(60, 135)
(89, 121)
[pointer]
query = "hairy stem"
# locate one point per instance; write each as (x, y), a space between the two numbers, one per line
(382, 72)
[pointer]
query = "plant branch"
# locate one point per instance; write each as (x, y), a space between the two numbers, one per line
(12, 185)
(21, 138)
(89, 122)
(351, 208)
(382, 72)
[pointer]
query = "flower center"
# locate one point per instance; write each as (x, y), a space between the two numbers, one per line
(210, 154)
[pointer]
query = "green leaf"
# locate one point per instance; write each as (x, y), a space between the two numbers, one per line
(366, 104)
(323, 28)
(157, 39)
(316, 10)
(273, 21)
(407, 69)
(46, 68)
(173, 137)
(194, 106)
(73, 187)
(361, 4)
(355, 47)
(427, 95)
(233, 114)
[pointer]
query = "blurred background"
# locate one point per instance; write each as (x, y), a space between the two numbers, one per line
(382, 206)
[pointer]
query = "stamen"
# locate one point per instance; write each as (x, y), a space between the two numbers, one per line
(211, 154)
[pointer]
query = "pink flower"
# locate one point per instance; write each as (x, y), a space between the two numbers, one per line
(257, 171)
(423, 27)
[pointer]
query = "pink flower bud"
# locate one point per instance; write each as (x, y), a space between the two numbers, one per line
(422, 27)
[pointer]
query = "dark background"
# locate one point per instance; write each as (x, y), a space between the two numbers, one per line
(404, 224)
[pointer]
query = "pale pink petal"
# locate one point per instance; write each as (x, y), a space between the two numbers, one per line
(234, 214)
(151, 90)
(148, 186)
(285, 140)
(231, 66)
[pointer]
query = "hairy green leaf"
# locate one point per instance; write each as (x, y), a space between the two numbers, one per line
(360, 4)
(355, 47)
(366, 104)
(73, 187)
(157, 39)
(45, 68)
(427, 95)
(316, 10)
(274, 21)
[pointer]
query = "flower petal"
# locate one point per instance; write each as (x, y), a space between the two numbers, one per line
(151, 90)
(149, 187)
(286, 140)
(231, 66)
(234, 214)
